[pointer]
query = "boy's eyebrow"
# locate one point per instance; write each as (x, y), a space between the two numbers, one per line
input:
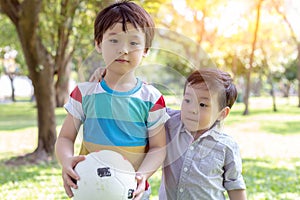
(201, 97)
(112, 33)
(133, 35)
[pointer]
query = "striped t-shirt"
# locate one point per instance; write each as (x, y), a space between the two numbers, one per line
(115, 120)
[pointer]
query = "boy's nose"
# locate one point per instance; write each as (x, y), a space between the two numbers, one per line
(123, 49)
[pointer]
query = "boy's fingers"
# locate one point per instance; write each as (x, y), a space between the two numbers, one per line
(68, 183)
(140, 187)
(78, 159)
(93, 78)
(68, 190)
(70, 173)
(70, 180)
(138, 197)
(98, 75)
(70, 176)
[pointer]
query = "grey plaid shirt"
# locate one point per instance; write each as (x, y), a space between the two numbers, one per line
(201, 169)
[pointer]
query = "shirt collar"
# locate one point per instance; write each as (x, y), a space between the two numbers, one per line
(214, 132)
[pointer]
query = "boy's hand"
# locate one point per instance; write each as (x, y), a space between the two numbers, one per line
(98, 75)
(69, 175)
(141, 184)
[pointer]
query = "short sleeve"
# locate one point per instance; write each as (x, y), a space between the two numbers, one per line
(233, 178)
(158, 114)
(74, 104)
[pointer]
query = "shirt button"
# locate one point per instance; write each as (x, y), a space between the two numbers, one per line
(185, 169)
(181, 190)
(192, 148)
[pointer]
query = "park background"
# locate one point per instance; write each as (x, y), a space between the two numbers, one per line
(47, 46)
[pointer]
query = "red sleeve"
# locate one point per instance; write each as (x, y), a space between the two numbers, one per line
(160, 103)
(76, 95)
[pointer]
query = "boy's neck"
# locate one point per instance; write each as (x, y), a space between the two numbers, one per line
(121, 83)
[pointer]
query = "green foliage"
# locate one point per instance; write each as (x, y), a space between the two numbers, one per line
(235, 64)
(9, 38)
(152, 6)
(290, 72)
(8, 34)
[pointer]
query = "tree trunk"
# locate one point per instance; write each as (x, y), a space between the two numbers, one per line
(45, 98)
(294, 37)
(63, 57)
(248, 76)
(272, 92)
(11, 78)
(40, 65)
(62, 85)
(41, 73)
(286, 89)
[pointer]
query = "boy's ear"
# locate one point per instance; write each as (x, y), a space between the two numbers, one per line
(224, 113)
(98, 47)
(146, 52)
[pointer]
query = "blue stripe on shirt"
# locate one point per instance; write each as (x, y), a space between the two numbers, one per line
(121, 108)
(115, 133)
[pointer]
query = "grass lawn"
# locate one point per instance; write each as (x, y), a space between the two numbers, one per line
(269, 144)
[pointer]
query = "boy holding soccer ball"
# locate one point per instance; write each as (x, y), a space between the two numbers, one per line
(121, 113)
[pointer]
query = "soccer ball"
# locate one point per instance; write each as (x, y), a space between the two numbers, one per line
(105, 175)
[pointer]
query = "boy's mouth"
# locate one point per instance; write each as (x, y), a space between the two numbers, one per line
(192, 119)
(122, 61)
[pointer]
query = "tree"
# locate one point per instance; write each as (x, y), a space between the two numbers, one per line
(290, 74)
(278, 7)
(25, 16)
(248, 77)
(38, 44)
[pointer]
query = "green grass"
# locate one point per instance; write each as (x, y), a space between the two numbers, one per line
(269, 178)
(275, 177)
(21, 115)
(31, 182)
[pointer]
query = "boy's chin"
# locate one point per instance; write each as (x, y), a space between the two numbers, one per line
(191, 129)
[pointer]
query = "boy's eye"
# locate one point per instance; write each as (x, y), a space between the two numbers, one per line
(113, 41)
(134, 43)
(187, 101)
(202, 105)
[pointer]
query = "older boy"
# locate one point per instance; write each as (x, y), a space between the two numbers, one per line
(120, 113)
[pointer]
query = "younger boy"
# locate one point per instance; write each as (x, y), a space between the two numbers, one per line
(120, 113)
(202, 162)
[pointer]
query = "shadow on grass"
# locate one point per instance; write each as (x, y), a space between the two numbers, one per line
(276, 179)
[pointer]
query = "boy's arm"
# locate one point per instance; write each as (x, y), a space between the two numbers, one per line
(153, 159)
(64, 149)
(237, 194)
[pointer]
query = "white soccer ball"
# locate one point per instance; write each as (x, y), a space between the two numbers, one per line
(105, 175)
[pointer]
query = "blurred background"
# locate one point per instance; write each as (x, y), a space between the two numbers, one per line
(46, 47)
(256, 41)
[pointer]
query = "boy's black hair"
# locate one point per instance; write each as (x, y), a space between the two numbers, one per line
(217, 81)
(124, 12)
